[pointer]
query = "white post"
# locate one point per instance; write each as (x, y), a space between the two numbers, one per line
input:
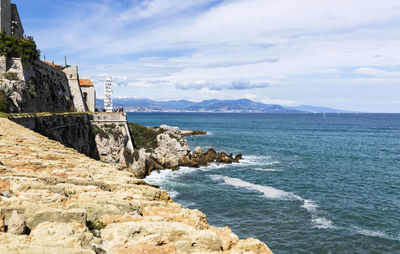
(108, 106)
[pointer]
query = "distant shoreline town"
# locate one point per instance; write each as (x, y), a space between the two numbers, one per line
(212, 106)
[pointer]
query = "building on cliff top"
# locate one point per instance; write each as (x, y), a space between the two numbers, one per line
(88, 94)
(10, 22)
(82, 93)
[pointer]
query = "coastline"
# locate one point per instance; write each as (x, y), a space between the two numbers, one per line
(57, 200)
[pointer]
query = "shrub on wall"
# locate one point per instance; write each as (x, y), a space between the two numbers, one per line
(11, 76)
(3, 102)
(25, 49)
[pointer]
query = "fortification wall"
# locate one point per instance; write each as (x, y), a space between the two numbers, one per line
(16, 26)
(101, 136)
(90, 97)
(73, 81)
(112, 137)
(38, 88)
(5, 17)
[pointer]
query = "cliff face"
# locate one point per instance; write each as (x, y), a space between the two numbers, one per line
(38, 87)
(55, 200)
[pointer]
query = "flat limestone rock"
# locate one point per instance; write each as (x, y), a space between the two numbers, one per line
(64, 202)
(16, 224)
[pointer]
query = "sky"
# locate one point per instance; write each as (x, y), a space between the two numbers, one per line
(343, 53)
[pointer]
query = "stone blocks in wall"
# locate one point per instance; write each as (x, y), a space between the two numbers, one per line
(73, 82)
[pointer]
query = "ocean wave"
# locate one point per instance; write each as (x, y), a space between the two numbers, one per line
(269, 163)
(173, 194)
(253, 160)
(373, 233)
(268, 192)
(273, 193)
(309, 205)
(268, 169)
(159, 177)
(322, 223)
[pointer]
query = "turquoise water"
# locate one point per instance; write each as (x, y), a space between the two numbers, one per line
(308, 183)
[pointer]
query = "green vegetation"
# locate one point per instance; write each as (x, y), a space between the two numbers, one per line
(3, 102)
(143, 137)
(11, 76)
(107, 130)
(129, 156)
(99, 131)
(95, 227)
(25, 49)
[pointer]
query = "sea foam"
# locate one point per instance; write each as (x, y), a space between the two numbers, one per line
(268, 169)
(373, 233)
(268, 192)
(273, 193)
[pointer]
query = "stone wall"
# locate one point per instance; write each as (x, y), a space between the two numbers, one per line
(73, 81)
(101, 136)
(90, 97)
(5, 20)
(39, 87)
(16, 24)
(112, 137)
(72, 130)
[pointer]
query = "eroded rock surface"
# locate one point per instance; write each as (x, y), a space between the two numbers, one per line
(173, 151)
(73, 204)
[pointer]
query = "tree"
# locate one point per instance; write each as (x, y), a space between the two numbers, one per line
(25, 49)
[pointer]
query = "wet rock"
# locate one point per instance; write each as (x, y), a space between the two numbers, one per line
(16, 224)
(188, 133)
(198, 159)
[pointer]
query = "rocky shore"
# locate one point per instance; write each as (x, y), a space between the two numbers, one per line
(56, 200)
(170, 151)
(188, 133)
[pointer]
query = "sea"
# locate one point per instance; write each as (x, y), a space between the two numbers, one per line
(308, 183)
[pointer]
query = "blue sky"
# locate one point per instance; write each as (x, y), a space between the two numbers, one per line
(343, 53)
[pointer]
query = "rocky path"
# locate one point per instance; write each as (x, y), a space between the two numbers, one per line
(55, 200)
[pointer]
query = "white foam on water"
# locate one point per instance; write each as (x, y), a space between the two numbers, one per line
(322, 223)
(373, 233)
(160, 177)
(268, 169)
(273, 193)
(173, 194)
(268, 192)
(309, 205)
(272, 163)
(252, 160)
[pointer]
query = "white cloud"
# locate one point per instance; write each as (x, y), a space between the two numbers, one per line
(312, 51)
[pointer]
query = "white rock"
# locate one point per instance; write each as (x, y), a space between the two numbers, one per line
(16, 224)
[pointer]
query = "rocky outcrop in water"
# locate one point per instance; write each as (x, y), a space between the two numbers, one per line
(200, 158)
(56, 200)
(172, 151)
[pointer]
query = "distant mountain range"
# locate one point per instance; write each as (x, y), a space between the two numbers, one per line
(233, 106)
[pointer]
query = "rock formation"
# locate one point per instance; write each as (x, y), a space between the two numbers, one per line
(172, 151)
(69, 203)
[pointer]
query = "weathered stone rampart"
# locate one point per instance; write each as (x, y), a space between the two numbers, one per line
(38, 88)
(101, 136)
